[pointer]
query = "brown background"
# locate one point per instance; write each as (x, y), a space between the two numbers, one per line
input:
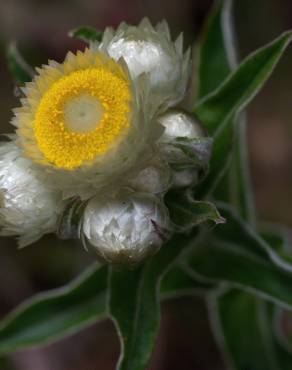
(40, 28)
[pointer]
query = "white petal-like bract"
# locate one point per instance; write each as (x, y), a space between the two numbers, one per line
(28, 209)
(125, 229)
(100, 140)
(154, 178)
(182, 129)
(123, 154)
(150, 50)
(178, 123)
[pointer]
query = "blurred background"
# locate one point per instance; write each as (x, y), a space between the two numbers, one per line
(40, 28)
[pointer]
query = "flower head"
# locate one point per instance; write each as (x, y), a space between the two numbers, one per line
(83, 120)
(126, 228)
(101, 137)
(150, 50)
(28, 208)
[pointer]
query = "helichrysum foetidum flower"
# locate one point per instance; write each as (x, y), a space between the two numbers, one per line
(127, 228)
(83, 121)
(101, 125)
(28, 208)
(151, 50)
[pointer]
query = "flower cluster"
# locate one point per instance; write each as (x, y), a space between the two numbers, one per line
(103, 135)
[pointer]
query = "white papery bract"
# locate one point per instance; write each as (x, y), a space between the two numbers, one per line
(99, 142)
(89, 122)
(150, 50)
(154, 177)
(184, 137)
(86, 123)
(127, 228)
(178, 123)
(28, 209)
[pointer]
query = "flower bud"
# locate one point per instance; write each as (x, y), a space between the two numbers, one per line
(178, 123)
(125, 229)
(185, 146)
(184, 178)
(154, 179)
(150, 50)
(28, 209)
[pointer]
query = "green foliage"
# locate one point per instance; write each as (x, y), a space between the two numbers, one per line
(216, 110)
(134, 304)
(87, 34)
(21, 71)
(49, 316)
(244, 272)
(185, 212)
(179, 282)
(235, 263)
(241, 86)
(214, 61)
(53, 315)
(243, 323)
(194, 151)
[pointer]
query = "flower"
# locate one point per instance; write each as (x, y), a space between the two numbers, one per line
(28, 208)
(125, 229)
(81, 120)
(90, 121)
(150, 50)
(101, 140)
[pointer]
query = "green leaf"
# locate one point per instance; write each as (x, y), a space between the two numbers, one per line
(238, 174)
(216, 52)
(284, 357)
(246, 344)
(216, 110)
(228, 178)
(219, 163)
(236, 254)
(187, 213)
(134, 304)
(278, 237)
(19, 68)
(281, 340)
(240, 233)
(229, 263)
(87, 34)
(52, 315)
(181, 282)
(235, 185)
(69, 224)
(241, 86)
(243, 323)
(189, 152)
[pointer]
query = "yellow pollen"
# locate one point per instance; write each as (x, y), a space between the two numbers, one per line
(82, 116)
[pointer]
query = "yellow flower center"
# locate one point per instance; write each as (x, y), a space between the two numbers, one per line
(82, 116)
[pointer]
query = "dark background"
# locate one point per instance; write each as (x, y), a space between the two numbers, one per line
(40, 28)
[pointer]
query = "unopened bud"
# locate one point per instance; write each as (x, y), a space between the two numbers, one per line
(126, 229)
